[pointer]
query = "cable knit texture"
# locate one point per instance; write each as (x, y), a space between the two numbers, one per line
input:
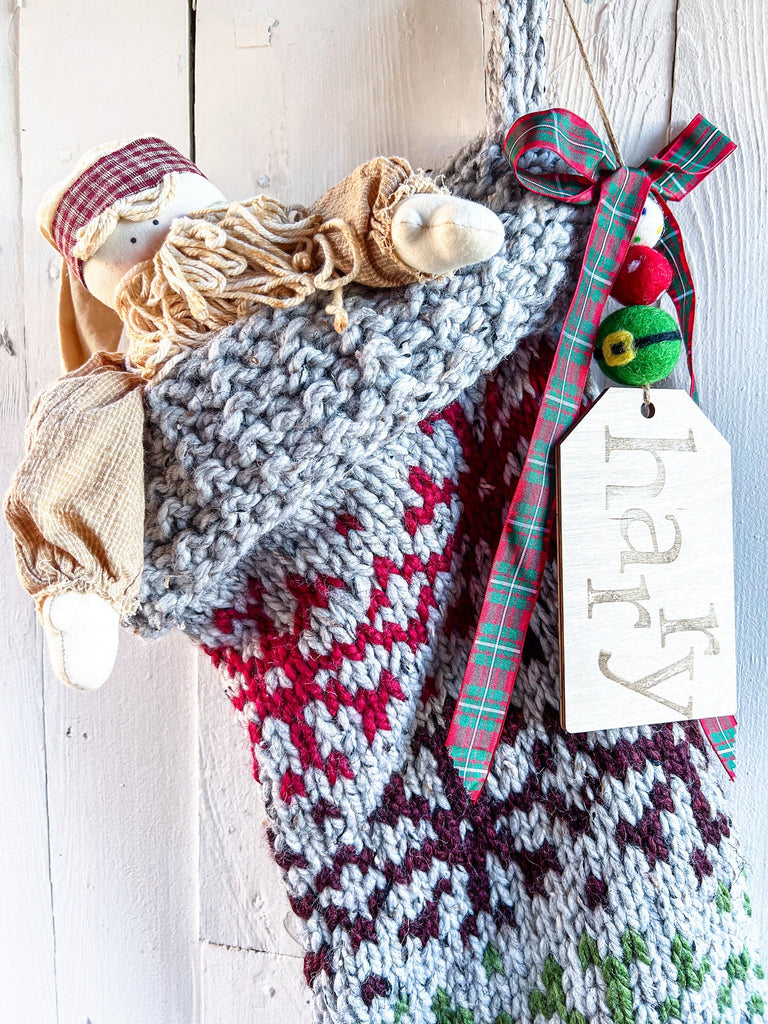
(322, 513)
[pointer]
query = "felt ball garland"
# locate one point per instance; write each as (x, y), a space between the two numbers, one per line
(640, 344)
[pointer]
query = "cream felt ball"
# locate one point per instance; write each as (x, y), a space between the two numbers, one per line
(650, 224)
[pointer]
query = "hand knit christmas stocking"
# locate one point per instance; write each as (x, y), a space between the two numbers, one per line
(322, 513)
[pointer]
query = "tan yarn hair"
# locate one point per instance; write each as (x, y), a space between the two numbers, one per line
(217, 265)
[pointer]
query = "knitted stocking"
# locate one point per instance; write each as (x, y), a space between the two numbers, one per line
(322, 513)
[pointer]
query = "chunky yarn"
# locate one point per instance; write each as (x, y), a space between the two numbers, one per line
(322, 511)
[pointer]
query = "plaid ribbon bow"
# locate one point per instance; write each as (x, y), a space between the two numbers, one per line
(518, 565)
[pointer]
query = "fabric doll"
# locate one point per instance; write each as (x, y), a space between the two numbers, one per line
(124, 222)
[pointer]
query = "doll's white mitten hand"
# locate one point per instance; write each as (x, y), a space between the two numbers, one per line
(82, 634)
(436, 233)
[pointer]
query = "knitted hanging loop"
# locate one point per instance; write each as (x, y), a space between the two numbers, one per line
(518, 565)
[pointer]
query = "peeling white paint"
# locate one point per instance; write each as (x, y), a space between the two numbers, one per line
(254, 30)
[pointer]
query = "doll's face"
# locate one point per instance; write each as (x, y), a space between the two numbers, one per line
(134, 241)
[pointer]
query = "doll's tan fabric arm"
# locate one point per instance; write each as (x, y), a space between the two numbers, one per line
(76, 502)
(409, 228)
(366, 200)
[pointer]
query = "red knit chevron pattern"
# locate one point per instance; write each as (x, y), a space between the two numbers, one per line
(284, 650)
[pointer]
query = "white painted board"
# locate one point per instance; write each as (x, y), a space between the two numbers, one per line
(721, 70)
(241, 986)
(27, 983)
(242, 900)
(293, 95)
(120, 764)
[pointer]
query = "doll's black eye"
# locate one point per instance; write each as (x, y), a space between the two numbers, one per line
(133, 241)
(155, 221)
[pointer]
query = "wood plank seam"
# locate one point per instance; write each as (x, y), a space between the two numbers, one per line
(191, 76)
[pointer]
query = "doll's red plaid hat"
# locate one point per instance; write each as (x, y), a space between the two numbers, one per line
(104, 176)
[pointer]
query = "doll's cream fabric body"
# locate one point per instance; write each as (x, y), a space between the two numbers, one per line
(76, 503)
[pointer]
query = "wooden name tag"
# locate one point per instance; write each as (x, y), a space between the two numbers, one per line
(646, 565)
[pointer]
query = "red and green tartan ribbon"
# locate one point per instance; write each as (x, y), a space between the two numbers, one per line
(518, 566)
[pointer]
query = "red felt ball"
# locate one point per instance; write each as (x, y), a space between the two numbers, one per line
(646, 274)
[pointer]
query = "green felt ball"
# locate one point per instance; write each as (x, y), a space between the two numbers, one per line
(638, 345)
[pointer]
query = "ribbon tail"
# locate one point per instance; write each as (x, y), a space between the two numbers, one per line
(520, 558)
(721, 733)
(681, 291)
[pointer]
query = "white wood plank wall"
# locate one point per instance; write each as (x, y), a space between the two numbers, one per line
(131, 893)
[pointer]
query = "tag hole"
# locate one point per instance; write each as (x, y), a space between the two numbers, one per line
(649, 410)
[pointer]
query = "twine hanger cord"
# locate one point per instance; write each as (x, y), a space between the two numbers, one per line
(593, 82)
